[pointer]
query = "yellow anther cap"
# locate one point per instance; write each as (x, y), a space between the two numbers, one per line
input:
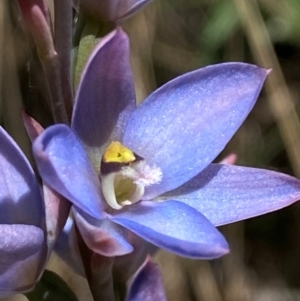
(118, 153)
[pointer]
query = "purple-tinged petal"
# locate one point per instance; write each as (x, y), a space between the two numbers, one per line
(185, 124)
(228, 193)
(67, 248)
(22, 252)
(229, 160)
(20, 196)
(128, 8)
(106, 96)
(33, 128)
(114, 11)
(174, 226)
(103, 237)
(147, 284)
(64, 166)
(57, 210)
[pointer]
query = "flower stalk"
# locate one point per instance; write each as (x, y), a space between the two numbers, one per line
(40, 29)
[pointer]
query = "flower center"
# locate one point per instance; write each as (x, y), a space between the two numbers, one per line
(124, 176)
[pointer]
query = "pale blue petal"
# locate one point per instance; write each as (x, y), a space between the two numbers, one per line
(64, 166)
(20, 196)
(105, 97)
(185, 124)
(22, 254)
(174, 226)
(229, 193)
(103, 237)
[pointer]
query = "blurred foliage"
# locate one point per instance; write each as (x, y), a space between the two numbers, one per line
(51, 287)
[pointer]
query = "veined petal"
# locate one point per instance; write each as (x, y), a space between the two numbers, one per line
(147, 284)
(22, 254)
(229, 193)
(105, 97)
(103, 237)
(64, 166)
(20, 196)
(185, 124)
(174, 226)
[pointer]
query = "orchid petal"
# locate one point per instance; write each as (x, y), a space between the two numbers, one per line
(33, 128)
(174, 226)
(112, 11)
(22, 249)
(57, 210)
(64, 166)
(20, 196)
(147, 284)
(185, 124)
(103, 237)
(56, 206)
(228, 193)
(67, 248)
(106, 96)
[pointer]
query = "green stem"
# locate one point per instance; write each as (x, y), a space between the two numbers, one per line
(98, 270)
(63, 46)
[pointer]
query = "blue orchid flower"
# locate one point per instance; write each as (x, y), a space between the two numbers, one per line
(30, 220)
(148, 169)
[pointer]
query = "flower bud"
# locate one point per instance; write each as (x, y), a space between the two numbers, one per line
(114, 11)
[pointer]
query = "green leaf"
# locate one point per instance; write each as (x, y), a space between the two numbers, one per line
(51, 287)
